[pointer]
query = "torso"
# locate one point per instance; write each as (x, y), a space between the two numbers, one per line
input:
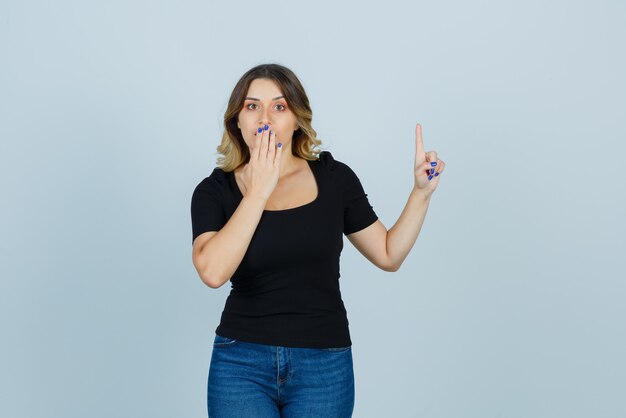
(297, 189)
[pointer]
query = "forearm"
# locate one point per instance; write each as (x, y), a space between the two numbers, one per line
(403, 234)
(223, 253)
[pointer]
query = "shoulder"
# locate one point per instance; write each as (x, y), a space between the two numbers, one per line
(328, 161)
(215, 181)
(340, 171)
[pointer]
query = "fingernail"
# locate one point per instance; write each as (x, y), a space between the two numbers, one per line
(271, 132)
(437, 173)
(280, 145)
(432, 170)
(260, 130)
(433, 164)
(266, 127)
(430, 177)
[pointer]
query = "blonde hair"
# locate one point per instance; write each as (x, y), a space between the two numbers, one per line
(233, 147)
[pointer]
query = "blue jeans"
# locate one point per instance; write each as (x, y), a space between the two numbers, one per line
(250, 380)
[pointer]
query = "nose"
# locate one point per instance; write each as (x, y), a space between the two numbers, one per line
(265, 120)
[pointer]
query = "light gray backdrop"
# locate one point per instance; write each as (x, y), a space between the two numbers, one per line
(511, 303)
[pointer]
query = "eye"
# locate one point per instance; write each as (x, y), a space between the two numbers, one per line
(254, 104)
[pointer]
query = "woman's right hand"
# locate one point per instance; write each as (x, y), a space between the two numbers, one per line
(260, 175)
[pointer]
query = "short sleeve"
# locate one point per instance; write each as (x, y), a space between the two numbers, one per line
(358, 213)
(207, 210)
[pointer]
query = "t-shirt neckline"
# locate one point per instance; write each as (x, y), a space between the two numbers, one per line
(306, 205)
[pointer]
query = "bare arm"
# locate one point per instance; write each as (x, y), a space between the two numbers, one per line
(217, 256)
(402, 235)
(388, 249)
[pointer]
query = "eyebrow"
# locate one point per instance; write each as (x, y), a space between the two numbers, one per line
(253, 98)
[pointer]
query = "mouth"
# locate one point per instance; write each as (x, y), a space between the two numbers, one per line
(256, 132)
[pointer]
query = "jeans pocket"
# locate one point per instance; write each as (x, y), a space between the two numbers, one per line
(220, 341)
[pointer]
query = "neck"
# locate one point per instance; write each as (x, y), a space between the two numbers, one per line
(289, 163)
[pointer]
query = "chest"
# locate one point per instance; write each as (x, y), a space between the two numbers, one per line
(298, 190)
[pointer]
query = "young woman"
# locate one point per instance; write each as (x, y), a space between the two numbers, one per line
(270, 219)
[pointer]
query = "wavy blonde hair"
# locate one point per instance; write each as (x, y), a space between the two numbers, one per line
(233, 147)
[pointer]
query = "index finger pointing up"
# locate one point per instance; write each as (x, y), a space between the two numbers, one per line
(419, 144)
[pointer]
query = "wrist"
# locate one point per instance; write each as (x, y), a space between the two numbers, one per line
(258, 199)
(420, 194)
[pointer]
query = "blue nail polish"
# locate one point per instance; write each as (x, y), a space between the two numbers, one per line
(430, 177)
(280, 145)
(260, 130)
(437, 173)
(266, 127)
(433, 164)
(432, 170)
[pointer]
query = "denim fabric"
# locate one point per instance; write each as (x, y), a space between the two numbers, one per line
(250, 380)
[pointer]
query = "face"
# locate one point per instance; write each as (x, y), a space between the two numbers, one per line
(260, 109)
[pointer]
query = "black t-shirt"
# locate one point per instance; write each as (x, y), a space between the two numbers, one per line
(285, 291)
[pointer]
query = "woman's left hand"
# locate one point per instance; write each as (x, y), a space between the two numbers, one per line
(428, 167)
